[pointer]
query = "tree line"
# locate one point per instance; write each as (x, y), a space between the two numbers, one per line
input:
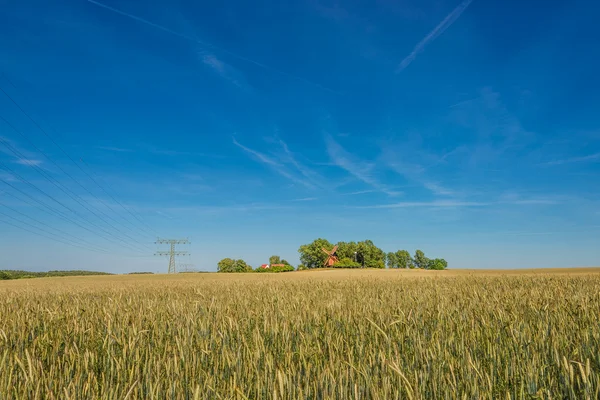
(232, 265)
(364, 254)
(8, 274)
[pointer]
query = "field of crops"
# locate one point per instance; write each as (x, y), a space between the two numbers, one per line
(303, 335)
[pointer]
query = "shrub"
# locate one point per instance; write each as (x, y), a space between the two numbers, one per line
(285, 268)
(346, 263)
(437, 264)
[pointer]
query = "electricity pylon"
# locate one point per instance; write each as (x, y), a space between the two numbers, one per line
(172, 253)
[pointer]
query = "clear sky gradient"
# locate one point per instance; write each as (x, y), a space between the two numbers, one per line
(469, 130)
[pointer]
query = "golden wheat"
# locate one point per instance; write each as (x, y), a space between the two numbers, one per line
(327, 335)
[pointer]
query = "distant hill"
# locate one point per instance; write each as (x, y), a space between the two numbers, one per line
(18, 274)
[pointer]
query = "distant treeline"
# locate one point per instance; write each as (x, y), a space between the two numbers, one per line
(17, 274)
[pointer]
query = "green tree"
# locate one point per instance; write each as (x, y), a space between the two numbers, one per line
(275, 260)
(403, 259)
(346, 263)
(437, 264)
(312, 255)
(420, 260)
(392, 260)
(231, 265)
(285, 268)
(347, 250)
(226, 265)
(370, 255)
(285, 262)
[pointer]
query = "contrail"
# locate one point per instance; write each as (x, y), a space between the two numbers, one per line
(222, 50)
(437, 31)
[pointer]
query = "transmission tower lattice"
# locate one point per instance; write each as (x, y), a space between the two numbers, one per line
(172, 253)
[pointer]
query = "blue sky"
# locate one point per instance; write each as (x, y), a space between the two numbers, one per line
(466, 129)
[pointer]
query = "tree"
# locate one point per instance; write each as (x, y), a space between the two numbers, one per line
(392, 260)
(285, 268)
(231, 265)
(346, 263)
(312, 255)
(371, 255)
(347, 250)
(365, 253)
(403, 259)
(437, 264)
(420, 260)
(285, 262)
(274, 260)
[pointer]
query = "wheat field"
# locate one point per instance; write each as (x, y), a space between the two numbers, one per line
(303, 335)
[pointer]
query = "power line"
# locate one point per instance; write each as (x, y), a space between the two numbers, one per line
(59, 186)
(68, 192)
(133, 214)
(24, 200)
(14, 151)
(73, 196)
(58, 212)
(57, 145)
(43, 230)
(75, 238)
(220, 49)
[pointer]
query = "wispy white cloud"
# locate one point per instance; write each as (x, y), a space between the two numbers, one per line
(29, 162)
(308, 173)
(416, 173)
(115, 149)
(591, 157)
(436, 32)
(360, 170)
(23, 157)
(359, 192)
(259, 156)
(223, 69)
(432, 204)
(11, 178)
(213, 62)
(493, 131)
(209, 45)
(274, 165)
(242, 208)
(306, 199)
(438, 189)
(459, 204)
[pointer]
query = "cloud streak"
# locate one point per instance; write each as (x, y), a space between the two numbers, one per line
(308, 173)
(222, 69)
(591, 157)
(359, 192)
(274, 165)
(361, 171)
(29, 162)
(434, 34)
(259, 156)
(306, 199)
(115, 149)
(457, 204)
(415, 173)
(206, 44)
